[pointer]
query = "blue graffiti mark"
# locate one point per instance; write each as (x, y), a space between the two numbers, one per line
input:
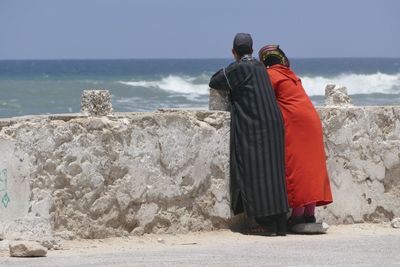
(3, 187)
(5, 200)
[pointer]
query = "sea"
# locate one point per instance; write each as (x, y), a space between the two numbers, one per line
(29, 87)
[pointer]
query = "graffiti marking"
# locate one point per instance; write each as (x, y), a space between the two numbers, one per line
(5, 200)
(3, 187)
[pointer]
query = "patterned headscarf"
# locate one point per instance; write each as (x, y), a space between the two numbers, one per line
(271, 55)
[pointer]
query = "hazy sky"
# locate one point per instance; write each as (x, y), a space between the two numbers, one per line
(54, 29)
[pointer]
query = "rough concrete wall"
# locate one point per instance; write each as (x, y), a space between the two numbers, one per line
(363, 158)
(14, 181)
(163, 172)
(167, 172)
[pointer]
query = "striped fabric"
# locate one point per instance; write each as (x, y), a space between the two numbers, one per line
(256, 142)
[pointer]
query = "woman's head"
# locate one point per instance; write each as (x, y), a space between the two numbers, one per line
(271, 55)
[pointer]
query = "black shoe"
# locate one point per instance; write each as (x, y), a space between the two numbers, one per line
(280, 220)
(264, 226)
(293, 220)
(259, 230)
(310, 219)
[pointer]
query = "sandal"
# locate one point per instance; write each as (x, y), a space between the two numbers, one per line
(260, 230)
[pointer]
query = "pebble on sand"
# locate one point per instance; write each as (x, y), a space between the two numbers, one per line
(395, 223)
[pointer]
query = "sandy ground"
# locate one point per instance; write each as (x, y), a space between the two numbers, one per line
(345, 245)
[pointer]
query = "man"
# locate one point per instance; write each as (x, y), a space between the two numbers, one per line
(256, 139)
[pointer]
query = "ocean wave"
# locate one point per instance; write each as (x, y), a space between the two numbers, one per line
(184, 85)
(192, 87)
(355, 83)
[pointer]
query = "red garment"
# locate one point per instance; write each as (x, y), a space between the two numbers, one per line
(307, 178)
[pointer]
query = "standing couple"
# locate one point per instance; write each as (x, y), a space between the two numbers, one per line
(277, 157)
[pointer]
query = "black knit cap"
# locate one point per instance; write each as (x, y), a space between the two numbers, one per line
(243, 44)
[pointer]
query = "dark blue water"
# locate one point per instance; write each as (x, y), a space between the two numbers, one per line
(25, 69)
(55, 86)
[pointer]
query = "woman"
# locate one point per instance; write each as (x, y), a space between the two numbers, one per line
(307, 179)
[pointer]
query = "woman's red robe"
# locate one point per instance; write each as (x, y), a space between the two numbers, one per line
(307, 179)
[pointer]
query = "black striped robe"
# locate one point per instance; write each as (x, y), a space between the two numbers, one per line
(257, 171)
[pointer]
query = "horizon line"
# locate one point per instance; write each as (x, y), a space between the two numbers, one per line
(211, 58)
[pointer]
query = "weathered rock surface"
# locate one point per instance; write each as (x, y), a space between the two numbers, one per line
(161, 172)
(363, 158)
(168, 172)
(27, 249)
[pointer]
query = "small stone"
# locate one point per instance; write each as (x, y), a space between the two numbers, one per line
(51, 243)
(160, 240)
(395, 223)
(27, 249)
(188, 243)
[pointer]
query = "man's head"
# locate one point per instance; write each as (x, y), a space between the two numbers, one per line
(242, 45)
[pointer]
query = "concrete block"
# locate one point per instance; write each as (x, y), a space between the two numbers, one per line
(337, 96)
(96, 102)
(219, 100)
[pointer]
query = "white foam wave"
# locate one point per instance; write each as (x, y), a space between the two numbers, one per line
(174, 84)
(192, 87)
(355, 83)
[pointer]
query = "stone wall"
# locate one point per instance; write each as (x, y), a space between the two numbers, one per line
(363, 156)
(167, 172)
(94, 177)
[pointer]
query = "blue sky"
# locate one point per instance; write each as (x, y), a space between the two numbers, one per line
(55, 29)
